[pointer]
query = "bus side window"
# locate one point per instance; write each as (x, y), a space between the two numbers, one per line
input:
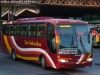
(11, 30)
(24, 30)
(5, 29)
(32, 30)
(41, 30)
(17, 30)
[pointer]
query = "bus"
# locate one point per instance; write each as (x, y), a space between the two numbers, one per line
(50, 42)
(95, 27)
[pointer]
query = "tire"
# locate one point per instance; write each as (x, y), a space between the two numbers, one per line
(14, 57)
(43, 63)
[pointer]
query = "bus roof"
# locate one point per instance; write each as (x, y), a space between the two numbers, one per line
(46, 19)
(34, 18)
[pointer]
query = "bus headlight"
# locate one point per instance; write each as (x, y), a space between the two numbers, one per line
(89, 59)
(63, 60)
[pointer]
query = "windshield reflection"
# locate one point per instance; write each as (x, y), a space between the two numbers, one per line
(67, 37)
(83, 38)
(75, 36)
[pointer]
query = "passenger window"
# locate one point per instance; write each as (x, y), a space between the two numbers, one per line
(41, 30)
(24, 30)
(17, 29)
(11, 31)
(32, 30)
(5, 29)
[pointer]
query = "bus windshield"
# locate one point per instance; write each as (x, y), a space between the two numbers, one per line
(74, 39)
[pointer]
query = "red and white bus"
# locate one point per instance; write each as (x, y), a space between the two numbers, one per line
(57, 43)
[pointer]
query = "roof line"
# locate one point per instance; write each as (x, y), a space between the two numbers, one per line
(31, 10)
(6, 13)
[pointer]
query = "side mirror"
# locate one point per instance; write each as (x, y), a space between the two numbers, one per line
(91, 30)
(88, 38)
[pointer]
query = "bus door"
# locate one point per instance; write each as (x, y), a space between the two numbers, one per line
(50, 35)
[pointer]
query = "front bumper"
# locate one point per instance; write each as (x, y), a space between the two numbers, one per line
(73, 65)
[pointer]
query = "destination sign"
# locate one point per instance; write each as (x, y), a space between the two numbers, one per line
(65, 26)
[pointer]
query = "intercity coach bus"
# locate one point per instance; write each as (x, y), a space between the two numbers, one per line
(55, 43)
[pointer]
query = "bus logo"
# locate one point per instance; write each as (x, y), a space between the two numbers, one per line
(32, 43)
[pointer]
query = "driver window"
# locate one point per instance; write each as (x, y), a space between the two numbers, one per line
(50, 31)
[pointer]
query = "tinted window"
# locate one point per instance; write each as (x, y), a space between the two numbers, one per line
(17, 30)
(5, 29)
(33, 30)
(24, 30)
(41, 30)
(11, 31)
(50, 30)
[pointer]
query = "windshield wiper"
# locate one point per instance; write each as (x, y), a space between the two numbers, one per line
(72, 43)
(82, 44)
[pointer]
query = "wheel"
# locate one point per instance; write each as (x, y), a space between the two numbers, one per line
(14, 55)
(43, 63)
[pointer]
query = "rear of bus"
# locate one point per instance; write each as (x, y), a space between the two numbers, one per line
(74, 44)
